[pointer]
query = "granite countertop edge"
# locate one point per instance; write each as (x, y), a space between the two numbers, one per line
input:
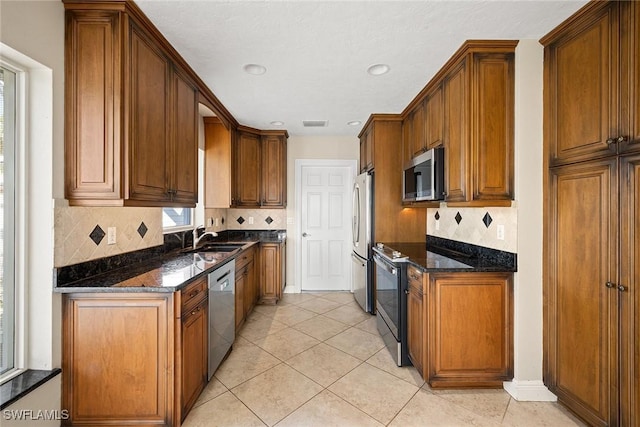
(478, 259)
(110, 281)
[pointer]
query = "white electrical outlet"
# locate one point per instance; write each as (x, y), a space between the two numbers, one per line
(437, 224)
(111, 236)
(250, 220)
(500, 229)
(210, 222)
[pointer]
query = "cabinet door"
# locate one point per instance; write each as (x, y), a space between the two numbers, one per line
(456, 138)
(270, 273)
(217, 164)
(581, 87)
(194, 355)
(147, 118)
(418, 133)
(103, 387)
(416, 319)
(183, 161)
(93, 84)
(249, 297)
(630, 295)
(630, 74)
(581, 311)
(492, 139)
(247, 160)
(434, 113)
(239, 298)
(470, 329)
(366, 150)
(274, 171)
(407, 141)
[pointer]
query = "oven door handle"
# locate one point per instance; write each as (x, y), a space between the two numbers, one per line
(381, 262)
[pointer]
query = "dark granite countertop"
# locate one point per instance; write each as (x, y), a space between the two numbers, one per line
(442, 255)
(155, 269)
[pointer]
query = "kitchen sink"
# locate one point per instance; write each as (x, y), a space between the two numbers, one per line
(219, 247)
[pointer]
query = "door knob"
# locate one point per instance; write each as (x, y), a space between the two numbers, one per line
(305, 234)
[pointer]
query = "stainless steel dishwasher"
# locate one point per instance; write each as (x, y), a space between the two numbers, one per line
(222, 319)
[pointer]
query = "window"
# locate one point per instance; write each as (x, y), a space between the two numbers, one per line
(177, 218)
(7, 219)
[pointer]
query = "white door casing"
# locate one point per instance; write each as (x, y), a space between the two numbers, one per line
(323, 208)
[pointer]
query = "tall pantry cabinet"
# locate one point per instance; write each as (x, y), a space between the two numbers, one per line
(592, 201)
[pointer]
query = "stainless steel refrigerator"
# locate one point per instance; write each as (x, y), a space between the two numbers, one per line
(361, 255)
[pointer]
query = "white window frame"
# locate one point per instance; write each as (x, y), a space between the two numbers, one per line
(20, 212)
(176, 228)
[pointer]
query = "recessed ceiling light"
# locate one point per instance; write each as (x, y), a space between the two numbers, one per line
(354, 123)
(277, 123)
(255, 69)
(378, 69)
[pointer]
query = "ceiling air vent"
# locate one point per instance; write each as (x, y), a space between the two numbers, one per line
(315, 123)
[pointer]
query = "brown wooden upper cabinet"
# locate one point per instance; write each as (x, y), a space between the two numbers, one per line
(130, 114)
(592, 71)
(469, 108)
(217, 163)
(366, 151)
(260, 168)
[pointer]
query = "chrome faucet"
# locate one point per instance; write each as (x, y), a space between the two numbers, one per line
(197, 239)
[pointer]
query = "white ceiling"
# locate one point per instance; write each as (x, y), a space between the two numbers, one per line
(317, 52)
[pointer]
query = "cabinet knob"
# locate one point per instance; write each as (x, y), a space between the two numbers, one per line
(622, 288)
(621, 139)
(611, 141)
(610, 285)
(406, 291)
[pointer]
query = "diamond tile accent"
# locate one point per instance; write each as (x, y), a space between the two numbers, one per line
(97, 235)
(142, 230)
(240, 220)
(437, 215)
(458, 217)
(268, 220)
(487, 219)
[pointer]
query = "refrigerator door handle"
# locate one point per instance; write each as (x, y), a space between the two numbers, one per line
(356, 215)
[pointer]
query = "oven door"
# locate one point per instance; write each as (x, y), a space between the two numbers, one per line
(388, 293)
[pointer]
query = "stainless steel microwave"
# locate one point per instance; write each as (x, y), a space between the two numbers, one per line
(423, 177)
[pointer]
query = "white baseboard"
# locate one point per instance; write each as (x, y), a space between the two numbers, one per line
(529, 391)
(291, 289)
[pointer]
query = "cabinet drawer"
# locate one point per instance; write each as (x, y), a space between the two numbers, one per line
(193, 294)
(414, 277)
(244, 258)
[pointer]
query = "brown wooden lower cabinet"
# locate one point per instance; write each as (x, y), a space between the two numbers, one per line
(118, 359)
(416, 302)
(134, 358)
(272, 271)
(194, 343)
(461, 330)
(246, 285)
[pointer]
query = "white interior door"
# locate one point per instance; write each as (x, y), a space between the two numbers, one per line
(325, 224)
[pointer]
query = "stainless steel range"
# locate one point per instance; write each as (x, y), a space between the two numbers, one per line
(391, 301)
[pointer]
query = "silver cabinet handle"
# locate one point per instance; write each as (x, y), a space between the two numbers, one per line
(305, 234)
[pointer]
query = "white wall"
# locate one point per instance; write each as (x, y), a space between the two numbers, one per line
(527, 383)
(36, 29)
(310, 147)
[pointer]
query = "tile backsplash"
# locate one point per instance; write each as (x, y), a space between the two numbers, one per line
(478, 226)
(256, 219)
(81, 233)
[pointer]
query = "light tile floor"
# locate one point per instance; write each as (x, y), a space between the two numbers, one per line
(317, 360)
